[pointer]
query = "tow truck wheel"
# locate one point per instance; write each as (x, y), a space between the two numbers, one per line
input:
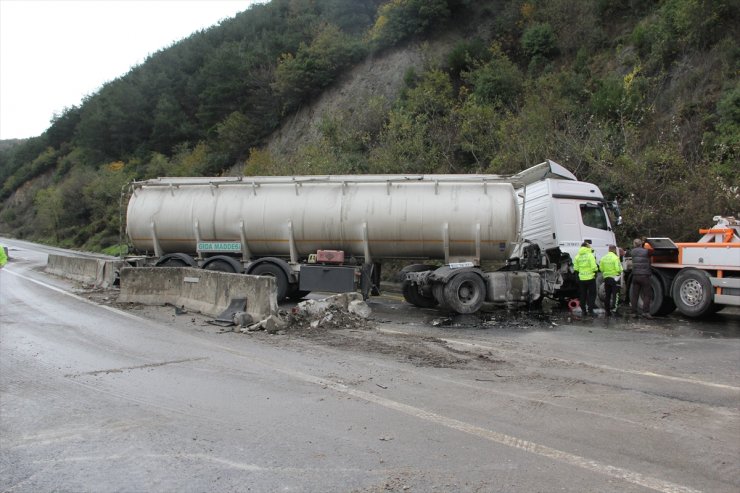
(465, 292)
(662, 304)
(692, 292)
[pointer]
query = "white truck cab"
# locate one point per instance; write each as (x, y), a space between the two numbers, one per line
(564, 212)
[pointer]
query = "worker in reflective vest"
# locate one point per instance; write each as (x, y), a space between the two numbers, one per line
(611, 269)
(585, 265)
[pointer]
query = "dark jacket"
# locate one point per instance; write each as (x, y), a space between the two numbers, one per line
(640, 262)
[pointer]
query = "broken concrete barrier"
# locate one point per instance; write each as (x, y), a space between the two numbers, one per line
(359, 308)
(317, 307)
(348, 302)
(205, 291)
(98, 272)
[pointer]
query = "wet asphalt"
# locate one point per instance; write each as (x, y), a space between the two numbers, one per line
(97, 399)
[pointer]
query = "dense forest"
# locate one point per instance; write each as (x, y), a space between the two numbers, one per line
(639, 96)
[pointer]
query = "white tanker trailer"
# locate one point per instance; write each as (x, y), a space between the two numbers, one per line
(330, 233)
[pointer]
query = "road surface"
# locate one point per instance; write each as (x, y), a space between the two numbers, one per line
(94, 398)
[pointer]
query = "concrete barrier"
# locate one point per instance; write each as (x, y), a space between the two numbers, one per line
(204, 291)
(99, 272)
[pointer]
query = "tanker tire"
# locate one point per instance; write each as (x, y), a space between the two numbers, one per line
(276, 273)
(176, 260)
(465, 293)
(296, 294)
(172, 262)
(692, 293)
(222, 266)
(412, 295)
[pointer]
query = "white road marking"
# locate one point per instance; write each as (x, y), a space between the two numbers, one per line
(500, 438)
(78, 298)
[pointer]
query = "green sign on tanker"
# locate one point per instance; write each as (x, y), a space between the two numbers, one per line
(219, 246)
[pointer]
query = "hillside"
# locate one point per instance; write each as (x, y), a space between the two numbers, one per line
(638, 96)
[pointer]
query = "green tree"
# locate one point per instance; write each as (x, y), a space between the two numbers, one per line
(399, 19)
(49, 203)
(315, 66)
(498, 81)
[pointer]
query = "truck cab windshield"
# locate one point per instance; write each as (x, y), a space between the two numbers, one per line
(593, 216)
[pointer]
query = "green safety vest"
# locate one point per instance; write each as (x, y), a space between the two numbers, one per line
(585, 264)
(610, 265)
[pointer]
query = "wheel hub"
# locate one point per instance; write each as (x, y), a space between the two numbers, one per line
(467, 293)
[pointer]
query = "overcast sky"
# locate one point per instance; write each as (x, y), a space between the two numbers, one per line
(55, 52)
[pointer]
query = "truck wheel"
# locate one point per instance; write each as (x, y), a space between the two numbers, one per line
(172, 262)
(600, 291)
(176, 260)
(412, 295)
(223, 264)
(662, 303)
(438, 290)
(296, 294)
(465, 292)
(276, 273)
(692, 292)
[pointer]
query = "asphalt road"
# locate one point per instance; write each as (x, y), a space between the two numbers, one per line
(93, 398)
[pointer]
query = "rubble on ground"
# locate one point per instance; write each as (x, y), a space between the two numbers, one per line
(346, 310)
(342, 311)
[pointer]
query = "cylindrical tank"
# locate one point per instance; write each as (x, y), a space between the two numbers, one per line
(392, 216)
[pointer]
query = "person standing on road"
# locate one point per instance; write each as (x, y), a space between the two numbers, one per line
(611, 268)
(640, 287)
(3, 257)
(585, 265)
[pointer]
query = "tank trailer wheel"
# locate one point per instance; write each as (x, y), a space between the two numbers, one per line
(296, 294)
(692, 293)
(176, 260)
(224, 265)
(274, 271)
(172, 262)
(465, 292)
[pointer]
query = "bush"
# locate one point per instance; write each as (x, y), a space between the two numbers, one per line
(466, 54)
(496, 82)
(539, 41)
